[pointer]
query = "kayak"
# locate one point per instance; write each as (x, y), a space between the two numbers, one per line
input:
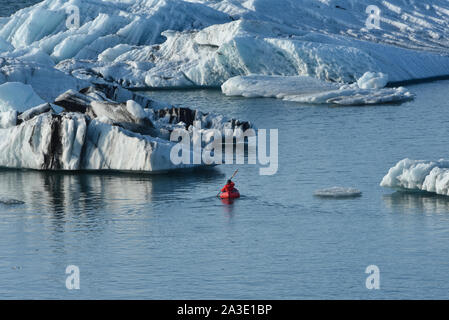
(230, 195)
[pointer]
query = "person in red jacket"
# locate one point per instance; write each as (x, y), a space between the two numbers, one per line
(229, 187)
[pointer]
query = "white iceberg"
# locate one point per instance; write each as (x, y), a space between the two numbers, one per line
(103, 24)
(217, 53)
(73, 142)
(274, 86)
(103, 134)
(351, 96)
(168, 43)
(372, 80)
(368, 89)
(419, 175)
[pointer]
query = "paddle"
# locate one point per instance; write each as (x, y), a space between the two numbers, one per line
(235, 172)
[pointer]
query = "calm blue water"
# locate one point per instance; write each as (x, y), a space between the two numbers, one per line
(166, 236)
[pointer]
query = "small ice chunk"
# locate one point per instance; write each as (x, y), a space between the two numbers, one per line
(419, 175)
(274, 86)
(338, 192)
(373, 80)
(135, 109)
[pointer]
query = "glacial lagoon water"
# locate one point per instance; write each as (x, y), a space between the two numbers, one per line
(167, 236)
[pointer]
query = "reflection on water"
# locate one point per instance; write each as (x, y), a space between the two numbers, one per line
(60, 193)
(88, 201)
(228, 207)
(421, 202)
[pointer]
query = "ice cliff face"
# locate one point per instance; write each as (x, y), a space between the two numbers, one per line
(168, 43)
(211, 56)
(97, 131)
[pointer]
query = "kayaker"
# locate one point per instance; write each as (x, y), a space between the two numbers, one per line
(229, 187)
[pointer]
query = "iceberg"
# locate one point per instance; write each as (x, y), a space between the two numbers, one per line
(372, 80)
(274, 86)
(102, 24)
(419, 175)
(168, 43)
(104, 134)
(366, 91)
(209, 57)
(353, 96)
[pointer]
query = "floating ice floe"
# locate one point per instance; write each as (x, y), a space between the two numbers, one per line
(352, 96)
(102, 128)
(338, 192)
(419, 175)
(275, 86)
(369, 89)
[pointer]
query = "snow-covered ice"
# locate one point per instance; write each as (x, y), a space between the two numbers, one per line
(175, 43)
(46, 81)
(338, 192)
(35, 111)
(367, 90)
(372, 80)
(104, 133)
(274, 86)
(211, 56)
(351, 96)
(8, 119)
(419, 175)
(18, 96)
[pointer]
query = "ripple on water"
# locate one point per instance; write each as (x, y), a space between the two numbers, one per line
(10, 202)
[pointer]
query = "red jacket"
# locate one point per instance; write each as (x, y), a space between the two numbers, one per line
(228, 187)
